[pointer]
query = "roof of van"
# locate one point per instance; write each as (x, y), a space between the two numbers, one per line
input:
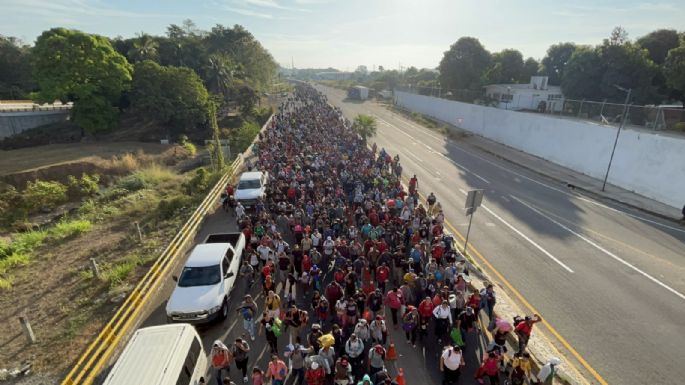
(207, 254)
(251, 175)
(154, 355)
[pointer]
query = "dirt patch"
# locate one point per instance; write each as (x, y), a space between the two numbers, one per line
(28, 159)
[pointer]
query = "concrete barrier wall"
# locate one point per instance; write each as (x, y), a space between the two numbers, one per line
(649, 164)
(12, 123)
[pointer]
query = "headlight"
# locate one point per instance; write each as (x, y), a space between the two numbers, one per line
(214, 309)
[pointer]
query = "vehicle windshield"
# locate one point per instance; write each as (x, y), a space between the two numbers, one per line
(200, 276)
(248, 184)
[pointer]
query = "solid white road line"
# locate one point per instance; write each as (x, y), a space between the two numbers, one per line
(602, 249)
(524, 236)
(449, 142)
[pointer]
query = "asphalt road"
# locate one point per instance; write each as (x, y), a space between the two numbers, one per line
(419, 364)
(609, 279)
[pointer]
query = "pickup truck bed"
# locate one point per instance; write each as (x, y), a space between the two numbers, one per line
(231, 238)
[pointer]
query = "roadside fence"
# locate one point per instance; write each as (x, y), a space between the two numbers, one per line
(126, 319)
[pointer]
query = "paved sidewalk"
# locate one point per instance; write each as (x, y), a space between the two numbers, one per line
(570, 179)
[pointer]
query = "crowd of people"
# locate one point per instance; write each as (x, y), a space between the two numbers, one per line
(349, 244)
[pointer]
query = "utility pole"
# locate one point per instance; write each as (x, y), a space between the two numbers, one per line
(618, 132)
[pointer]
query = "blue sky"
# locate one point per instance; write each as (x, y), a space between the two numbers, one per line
(344, 34)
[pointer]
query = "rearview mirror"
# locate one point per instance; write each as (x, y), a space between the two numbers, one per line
(175, 278)
(229, 274)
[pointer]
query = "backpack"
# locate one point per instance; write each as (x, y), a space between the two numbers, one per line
(246, 313)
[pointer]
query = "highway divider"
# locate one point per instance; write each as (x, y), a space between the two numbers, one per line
(127, 318)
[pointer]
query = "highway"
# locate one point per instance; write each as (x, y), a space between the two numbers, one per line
(610, 280)
(418, 364)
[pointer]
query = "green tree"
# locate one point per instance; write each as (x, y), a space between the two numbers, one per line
(365, 126)
(582, 74)
(220, 73)
(674, 70)
(658, 43)
(246, 97)
(15, 69)
(463, 65)
(70, 65)
(507, 67)
(629, 66)
(554, 63)
(219, 154)
(238, 43)
(174, 96)
(531, 67)
(144, 47)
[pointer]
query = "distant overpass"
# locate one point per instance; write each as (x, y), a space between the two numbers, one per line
(20, 115)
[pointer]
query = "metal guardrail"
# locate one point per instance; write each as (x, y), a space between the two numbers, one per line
(34, 108)
(98, 353)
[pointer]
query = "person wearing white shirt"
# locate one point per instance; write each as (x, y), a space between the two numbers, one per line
(443, 319)
(451, 362)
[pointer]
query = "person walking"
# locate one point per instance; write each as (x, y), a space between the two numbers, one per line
(221, 360)
(410, 324)
(395, 301)
(267, 324)
(272, 303)
(240, 350)
(489, 368)
(248, 311)
(378, 330)
(277, 371)
(548, 371)
(376, 361)
(354, 348)
(443, 320)
(451, 362)
(297, 355)
(315, 375)
(524, 329)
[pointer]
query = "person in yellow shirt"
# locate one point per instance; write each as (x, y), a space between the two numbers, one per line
(273, 304)
(520, 368)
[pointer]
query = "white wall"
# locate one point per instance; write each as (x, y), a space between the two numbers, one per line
(649, 164)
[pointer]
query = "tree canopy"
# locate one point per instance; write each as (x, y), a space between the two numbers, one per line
(15, 69)
(506, 67)
(71, 65)
(463, 65)
(554, 63)
(174, 96)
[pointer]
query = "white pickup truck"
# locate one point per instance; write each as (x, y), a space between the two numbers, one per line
(251, 187)
(204, 287)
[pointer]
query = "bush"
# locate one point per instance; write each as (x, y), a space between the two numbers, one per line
(65, 228)
(680, 126)
(245, 135)
(191, 148)
(261, 114)
(40, 194)
(199, 183)
(87, 186)
(12, 206)
(168, 208)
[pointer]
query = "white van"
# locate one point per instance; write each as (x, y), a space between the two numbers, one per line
(161, 355)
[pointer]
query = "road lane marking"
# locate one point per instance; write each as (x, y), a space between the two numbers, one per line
(602, 249)
(524, 236)
(415, 157)
(509, 170)
(532, 309)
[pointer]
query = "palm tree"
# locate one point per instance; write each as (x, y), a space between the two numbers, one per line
(220, 72)
(365, 126)
(144, 48)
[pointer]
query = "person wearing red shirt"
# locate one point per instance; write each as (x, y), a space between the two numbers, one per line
(382, 275)
(373, 218)
(315, 375)
(524, 329)
(425, 311)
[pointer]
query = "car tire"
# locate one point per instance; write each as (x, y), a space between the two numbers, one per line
(224, 310)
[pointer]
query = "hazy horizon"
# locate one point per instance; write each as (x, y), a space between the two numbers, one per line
(343, 35)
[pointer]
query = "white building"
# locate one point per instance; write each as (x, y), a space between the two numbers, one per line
(534, 96)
